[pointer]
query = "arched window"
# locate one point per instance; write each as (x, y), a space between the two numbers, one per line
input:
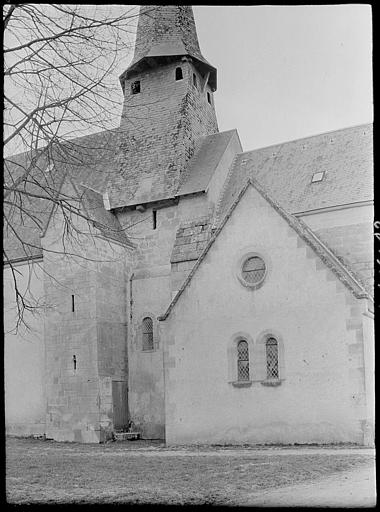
(272, 358)
(243, 360)
(178, 74)
(147, 333)
(209, 97)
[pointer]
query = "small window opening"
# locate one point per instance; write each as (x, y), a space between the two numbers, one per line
(154, 212)
(72, 303)
(147, 333)
(318, 176)
(209, 97)
(178, 74)
(135, 87)
(194, 80)
(243, 360)
(75, 361)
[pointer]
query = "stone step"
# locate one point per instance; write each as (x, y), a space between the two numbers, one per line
(126, 436)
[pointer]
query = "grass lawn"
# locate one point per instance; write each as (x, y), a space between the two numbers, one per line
(49, 472)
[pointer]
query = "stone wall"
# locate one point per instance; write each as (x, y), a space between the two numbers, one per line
(161, 124)
(87, 318)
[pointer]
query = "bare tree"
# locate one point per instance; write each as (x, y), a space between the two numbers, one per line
(60, 69)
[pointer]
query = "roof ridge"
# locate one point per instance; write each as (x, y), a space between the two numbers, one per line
(308, 137)
(222, 192)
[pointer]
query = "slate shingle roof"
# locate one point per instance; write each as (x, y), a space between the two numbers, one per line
(104, 220)
(286, 170)
(202, 165)
(153, 185)
(164, 31)
(89, 161)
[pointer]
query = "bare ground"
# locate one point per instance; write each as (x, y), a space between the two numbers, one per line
(148, 472)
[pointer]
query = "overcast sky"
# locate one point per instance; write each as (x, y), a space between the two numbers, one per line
(286, 72)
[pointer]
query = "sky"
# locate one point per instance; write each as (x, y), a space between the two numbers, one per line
(287, 72)
(284, 72)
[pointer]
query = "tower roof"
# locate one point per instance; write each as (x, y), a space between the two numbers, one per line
(165, 32)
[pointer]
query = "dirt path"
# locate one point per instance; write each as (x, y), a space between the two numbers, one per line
(355, 488)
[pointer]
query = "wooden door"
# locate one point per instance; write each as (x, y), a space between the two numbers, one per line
(120, 404)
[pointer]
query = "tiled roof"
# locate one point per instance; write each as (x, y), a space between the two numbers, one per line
(287, 169)
(203, 163)
(104, 220)
(167, 30)
(284, 169)
(342, 272)
(25, 216)
(191, 239)
(89, 161)
(153, 183)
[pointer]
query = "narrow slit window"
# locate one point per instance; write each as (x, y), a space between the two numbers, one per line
(135, 87)
(75, 361)
(209, 97)
(72, 303)
(178, 74)
(272, 358)
(154, 219)
(147, 333)
(243, 361)
(194, 80)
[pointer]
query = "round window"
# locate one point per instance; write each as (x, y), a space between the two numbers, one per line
(253, 270)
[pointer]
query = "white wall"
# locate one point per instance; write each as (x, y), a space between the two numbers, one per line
(321, 396)
(24, 367)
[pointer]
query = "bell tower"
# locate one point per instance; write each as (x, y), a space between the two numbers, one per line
(168, 106)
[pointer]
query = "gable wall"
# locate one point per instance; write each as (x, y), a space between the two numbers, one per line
(301, 301)
(349, 233)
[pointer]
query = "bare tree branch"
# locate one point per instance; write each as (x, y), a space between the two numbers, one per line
(60, 80)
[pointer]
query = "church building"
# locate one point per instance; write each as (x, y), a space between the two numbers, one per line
(216, 295)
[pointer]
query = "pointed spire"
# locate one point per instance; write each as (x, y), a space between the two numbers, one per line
(164, 32)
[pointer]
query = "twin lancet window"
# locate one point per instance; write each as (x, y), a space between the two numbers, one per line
(271, 360)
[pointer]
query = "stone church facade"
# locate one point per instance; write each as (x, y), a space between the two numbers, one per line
(218, 296)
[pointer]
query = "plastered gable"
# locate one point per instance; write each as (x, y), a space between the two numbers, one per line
(321, 398)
